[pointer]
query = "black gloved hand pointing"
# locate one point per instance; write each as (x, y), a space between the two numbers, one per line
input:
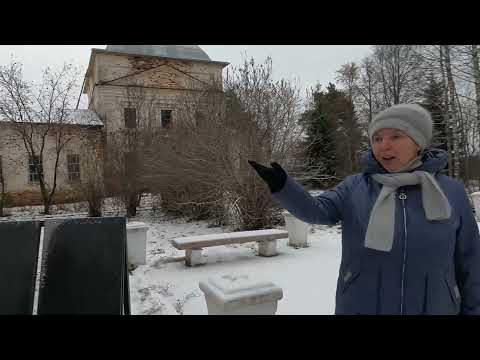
(275, 177)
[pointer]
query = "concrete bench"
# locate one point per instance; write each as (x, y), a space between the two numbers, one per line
(193, 245)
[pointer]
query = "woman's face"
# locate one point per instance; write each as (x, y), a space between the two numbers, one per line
(393, 149)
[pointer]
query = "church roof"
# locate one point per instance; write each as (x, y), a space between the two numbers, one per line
(186, 52)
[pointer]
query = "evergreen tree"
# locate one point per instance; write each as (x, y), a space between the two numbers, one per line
(320, 130)
(433, 101)
(333, 135)
(347, 131)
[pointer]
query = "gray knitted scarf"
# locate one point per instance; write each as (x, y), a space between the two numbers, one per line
(380, 231)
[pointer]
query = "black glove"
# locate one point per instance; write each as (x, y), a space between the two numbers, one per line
(275, 177)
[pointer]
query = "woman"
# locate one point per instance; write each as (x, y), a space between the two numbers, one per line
(410, 243)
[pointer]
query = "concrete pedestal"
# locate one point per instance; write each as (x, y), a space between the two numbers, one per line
(137, 243)
(267, 248)
(297, 230)
(194, 257)
(240, 295)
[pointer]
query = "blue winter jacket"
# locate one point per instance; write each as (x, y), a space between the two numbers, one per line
(433, 267)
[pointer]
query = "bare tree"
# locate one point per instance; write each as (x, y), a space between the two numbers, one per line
(272, 105)
(452, 119)
(348, 76)
(40, 116)
(272, 131)
(476, 77)
(91, 185)
(125, 148)
(466, 69)
(465, 87)
(201, 162)
(398, 72)
(368, 88)
(390, 75)
(190, 164)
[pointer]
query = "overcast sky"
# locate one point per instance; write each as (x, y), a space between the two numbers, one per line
(309, 64)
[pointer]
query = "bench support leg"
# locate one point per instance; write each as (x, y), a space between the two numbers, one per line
(193, 257)
(267, 248)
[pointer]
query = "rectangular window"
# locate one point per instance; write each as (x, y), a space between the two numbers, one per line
(35, 169)
(166, 116)
(130, 115)
(73, 165)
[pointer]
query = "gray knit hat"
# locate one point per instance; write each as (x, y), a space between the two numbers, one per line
(410, 118)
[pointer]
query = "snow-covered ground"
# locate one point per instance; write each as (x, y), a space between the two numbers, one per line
(164, 286)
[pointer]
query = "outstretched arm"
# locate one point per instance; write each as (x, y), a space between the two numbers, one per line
(327, 208)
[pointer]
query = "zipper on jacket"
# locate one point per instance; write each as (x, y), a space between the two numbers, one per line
(402, 196)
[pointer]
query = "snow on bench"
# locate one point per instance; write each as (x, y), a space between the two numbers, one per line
(193, 245)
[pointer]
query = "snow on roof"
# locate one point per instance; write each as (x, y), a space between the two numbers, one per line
(83, 117)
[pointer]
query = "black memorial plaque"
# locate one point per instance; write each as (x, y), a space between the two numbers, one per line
(19, 242)
(84, 268)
